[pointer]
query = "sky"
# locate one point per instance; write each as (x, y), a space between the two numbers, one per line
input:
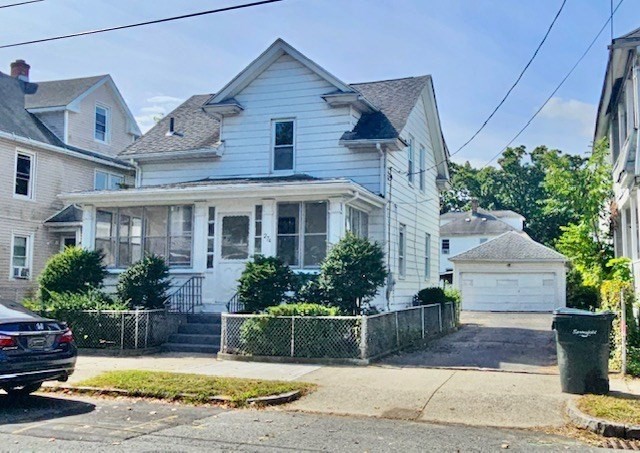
(474, 50)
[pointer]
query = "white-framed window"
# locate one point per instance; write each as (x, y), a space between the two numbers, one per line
(445, 246)
(257, 242)
(104, 180)
(423, 165)
(410, 160)
(402, 250)
(67, 241)
(357, 222)
(101, 124)
(427, 256)
(211, 236)
(24, 175)
(21, 256)
(283, 144)
(302, 233)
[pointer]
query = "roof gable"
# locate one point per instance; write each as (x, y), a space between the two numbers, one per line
(510, 246)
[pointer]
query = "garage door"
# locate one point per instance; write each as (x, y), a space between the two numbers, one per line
(508, 292)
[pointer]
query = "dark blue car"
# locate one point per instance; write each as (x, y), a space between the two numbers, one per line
(33, 349)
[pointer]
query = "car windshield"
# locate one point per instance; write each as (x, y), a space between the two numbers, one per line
(13, 310)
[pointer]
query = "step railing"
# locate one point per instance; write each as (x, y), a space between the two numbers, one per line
(235, 305)
(186, 297)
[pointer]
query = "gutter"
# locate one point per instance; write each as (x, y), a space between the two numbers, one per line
(187, 154)
(396, 143)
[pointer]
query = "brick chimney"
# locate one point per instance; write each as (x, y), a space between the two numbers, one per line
(20, 70)
(474, 206)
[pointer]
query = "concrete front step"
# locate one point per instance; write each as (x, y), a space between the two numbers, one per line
(204, 318)
(199, 348)
(194, 339)
(199, 329)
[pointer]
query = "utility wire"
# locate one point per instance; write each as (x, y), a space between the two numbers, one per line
(20, 3)
(139, 24)
(564, 79)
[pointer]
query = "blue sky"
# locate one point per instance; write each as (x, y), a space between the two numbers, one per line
(474, 49)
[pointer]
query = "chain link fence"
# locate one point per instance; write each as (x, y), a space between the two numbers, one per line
(334, 337)
(121, 329)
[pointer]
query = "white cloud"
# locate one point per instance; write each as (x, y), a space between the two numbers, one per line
(571, 112)
(155, 107)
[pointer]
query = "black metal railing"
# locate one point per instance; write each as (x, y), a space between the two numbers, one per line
(186, 297)
(235, 305)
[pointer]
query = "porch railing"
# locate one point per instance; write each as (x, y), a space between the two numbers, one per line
(234, 305)
(186, 297)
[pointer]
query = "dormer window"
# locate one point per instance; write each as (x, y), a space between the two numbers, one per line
(283, 145)
(101, 129)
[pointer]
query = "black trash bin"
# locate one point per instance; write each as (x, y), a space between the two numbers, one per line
(582, 340)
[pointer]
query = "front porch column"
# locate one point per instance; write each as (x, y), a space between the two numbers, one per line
(200, 217)
(269, 227)
(633, 203)
(336, 220)
(88, 227)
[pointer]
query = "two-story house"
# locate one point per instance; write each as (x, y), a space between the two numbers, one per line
(55, 136)
(282, 160)
(617, 119)
(461, 231)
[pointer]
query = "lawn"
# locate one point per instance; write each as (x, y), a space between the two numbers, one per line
(614, 407)
(193, 388)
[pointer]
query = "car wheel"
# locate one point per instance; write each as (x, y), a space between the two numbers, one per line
(23, 390)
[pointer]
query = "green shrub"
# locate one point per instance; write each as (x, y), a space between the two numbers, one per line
(351, 273)
(580, 295)
(62, 305)
(452, 295)
(144, 283)
(264, 283)
(427, 296)
(302, 309)
(75, 270)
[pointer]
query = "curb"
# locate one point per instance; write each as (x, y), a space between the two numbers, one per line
(599, 426)
(270, 400)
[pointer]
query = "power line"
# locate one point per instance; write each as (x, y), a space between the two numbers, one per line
(139, 24)
(564, 79)
(20, 3)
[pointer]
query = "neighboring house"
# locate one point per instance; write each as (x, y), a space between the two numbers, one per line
(460, 231)
(283, 160)
(511, 272)
(54, 137)
(618, 120)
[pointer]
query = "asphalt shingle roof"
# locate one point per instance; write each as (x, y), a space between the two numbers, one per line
(475, 224)
(510, 246)
(70, 214)
(57, 93)
(500, 214)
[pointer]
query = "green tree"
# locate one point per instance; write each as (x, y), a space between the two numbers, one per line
(74, 270)
(264, 282)
(145, 283)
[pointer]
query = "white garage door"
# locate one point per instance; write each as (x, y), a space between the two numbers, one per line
(509, 291)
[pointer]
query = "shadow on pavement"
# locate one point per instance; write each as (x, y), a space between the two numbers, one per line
(36, 408)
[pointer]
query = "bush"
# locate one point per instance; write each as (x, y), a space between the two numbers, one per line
(263, 283)
(432, 295)
(75, 270)
(302, 309)
(580, 295)
(144, 283)
(61, 306)
(351, 273)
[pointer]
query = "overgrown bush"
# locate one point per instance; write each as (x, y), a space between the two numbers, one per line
(351, 273)
(580, 295)
(302, 309)
(61, 305)
(74, 270)
(307, 289)
(436, 295)
(264, 283)
(144, 283)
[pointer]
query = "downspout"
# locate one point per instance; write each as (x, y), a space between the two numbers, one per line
(138, 178)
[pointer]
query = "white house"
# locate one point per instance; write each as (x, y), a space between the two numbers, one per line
(461, 231)
(617, 119)
(281, 161)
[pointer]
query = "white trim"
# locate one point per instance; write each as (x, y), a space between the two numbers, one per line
(57, 108)
(31, 196)
(220, 215)
(29, 254)
(273, 146)
(439, 147)
(199, 153)
(107, 122)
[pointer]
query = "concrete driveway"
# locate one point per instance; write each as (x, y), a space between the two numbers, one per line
(520, 342)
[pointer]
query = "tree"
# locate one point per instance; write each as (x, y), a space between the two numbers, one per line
(263, 283)
(145, 283)
(74, 270)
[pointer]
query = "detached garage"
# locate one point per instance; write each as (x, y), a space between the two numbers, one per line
(511, 272)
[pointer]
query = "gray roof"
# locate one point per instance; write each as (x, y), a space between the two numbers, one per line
(56, 93)
(300, 177)
(510, 246)
(195, 129)
(500, 214)
(70, 214)
(14, 119)
(631, 36)
(480, 224)
(198, 129)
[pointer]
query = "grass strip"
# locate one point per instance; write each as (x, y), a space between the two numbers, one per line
(193, 388)
(620, 408)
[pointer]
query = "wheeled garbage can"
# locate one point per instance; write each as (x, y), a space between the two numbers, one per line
(582, 341)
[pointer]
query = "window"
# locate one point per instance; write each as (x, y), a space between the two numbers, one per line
(422, 175)
(257, 243)
(483, 240)
(445, 246)
(357, 222)
(107, 181)
(410, 157)
(126, 234)
(24, 175)
(235, 237)
(67, 241)
(101, 130)
(20, 257)
(283, 145)
(402, 250)
(427, 256)
(211, 237)
(302, 233)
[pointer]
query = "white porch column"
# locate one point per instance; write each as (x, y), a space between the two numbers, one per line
(336, 220)
(200, 237)
(88, 227)
(633, 203)
(269, 227)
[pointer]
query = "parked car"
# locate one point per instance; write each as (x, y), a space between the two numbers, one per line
(33, 349)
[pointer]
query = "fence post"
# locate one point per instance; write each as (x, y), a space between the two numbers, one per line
(122, 332)
(397, 331)
(137, 329)
(422, 318)
(293, 333)
(146, 331)
(440, 317)
(363, 337)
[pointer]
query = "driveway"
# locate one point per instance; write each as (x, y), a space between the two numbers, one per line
(517, 342)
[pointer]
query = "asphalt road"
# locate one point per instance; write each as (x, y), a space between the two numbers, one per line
(80, 424)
